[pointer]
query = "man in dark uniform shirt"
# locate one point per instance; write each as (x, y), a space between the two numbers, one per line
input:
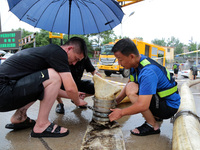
(37, 73)
(85, 86)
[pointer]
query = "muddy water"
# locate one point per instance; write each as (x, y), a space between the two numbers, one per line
(103, 137)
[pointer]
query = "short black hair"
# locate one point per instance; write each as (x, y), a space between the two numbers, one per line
(80, 43)
(126, 47)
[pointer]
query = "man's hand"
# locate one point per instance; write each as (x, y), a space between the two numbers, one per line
(82, 102)
(82, 95)
(116, 114)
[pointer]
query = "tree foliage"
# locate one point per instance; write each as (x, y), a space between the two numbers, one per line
(103, 37)
(171, 42)
(174, 42)
(159, 42)
(192, 46)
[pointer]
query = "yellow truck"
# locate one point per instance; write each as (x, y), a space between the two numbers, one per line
(109, 63)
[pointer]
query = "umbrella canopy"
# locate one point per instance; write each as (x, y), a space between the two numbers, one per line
(69, 16)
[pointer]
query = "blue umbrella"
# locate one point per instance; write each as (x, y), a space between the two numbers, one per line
(69, 16)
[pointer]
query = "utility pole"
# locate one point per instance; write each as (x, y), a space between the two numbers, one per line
(124, 21)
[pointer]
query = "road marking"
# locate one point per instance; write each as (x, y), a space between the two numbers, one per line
(195, 93)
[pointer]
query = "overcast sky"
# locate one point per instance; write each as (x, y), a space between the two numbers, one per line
(152, 19)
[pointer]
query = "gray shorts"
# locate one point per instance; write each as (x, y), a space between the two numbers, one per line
(18, 93)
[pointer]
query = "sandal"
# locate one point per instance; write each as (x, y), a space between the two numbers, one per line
(23, 125)
(48, 132)
(146, 129)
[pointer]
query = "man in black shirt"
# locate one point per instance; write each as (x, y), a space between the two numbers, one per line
(37, 73)
(194, 71)
(85, 86)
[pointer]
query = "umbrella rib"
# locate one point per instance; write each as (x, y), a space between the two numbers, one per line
(104, 14)
(28, 9)
(15, 5)
(108, 22)
(42, 14)
(56, 15)
(92, 14)
(81, 15)
(113, 11)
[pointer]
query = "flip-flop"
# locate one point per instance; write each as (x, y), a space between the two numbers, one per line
(145, 129)
(48, 132)
(23, 125)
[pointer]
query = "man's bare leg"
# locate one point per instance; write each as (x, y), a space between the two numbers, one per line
(51, 89)
(131, 92)
(20, 114)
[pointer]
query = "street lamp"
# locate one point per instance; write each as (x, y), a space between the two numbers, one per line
(125, 20)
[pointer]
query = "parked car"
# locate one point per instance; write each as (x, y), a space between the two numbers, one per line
(6, 56)
(186, 73)
(2, 52)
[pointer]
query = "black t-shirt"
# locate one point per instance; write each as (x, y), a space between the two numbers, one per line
(78, 69)
(193, 68)
(35, 59)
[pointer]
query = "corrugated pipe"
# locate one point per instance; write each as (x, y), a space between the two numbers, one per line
(186, 130)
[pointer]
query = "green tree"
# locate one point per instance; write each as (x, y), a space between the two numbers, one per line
(159, 42)
(42, 38)
(179, 48)
(139, 38)
(24, 33)
(103, 37)
(192, 46)
(174, 42)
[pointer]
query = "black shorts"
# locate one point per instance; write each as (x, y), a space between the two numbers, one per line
(160, 109)
(194, 73)
(85, 86)
(18, 93)
(175, 71)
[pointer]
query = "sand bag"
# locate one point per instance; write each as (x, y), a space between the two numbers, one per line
(104, 90)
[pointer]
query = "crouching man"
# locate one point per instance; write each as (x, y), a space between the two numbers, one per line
(36, 74)
(151, 89)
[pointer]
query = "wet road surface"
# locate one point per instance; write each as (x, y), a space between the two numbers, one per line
(76, 120)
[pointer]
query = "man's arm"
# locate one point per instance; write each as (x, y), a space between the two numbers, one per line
(122, 94)
(96, 72)
(71, 88)
(139, 106)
